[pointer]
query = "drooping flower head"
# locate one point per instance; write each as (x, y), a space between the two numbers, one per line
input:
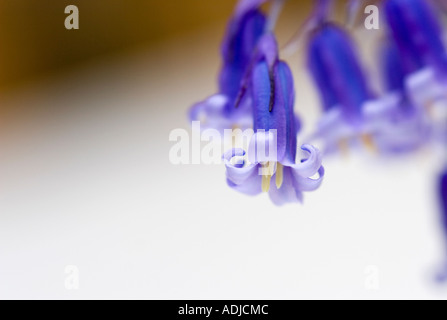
(352, 112)
(243, 33)
(347, 100)
(417, 65)
(336, 69)
(404, 125)
(272, 153)
(417, 33)
(223, 110)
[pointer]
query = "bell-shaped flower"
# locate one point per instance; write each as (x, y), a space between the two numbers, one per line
(418, 35)
(405, 125)
(224, 110)
(350, 109)
(270, 164)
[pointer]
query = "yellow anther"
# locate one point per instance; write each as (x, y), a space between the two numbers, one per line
(343, 146)
(266, 183)
(266, 176)
(369, 142)
(279, 175)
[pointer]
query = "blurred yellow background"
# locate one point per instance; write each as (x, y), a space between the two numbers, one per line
(34, 41)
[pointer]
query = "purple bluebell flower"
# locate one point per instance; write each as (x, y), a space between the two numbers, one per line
(421, 64)
(417, 33)
(335, 67)
(404, 125)
(352, 113)
(271, 165)
(224, 110)
(350, 108)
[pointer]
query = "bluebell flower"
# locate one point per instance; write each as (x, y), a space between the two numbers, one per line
(352, 113)
(350, 108)
(272, 165)
(404, 126)
(335, 67)
(418, 36)
(224, 110)
(417, 33)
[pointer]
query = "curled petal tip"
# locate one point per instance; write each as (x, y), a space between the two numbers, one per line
(310, 184)
(310, 166)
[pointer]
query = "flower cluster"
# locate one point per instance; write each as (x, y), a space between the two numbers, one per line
(256, 90)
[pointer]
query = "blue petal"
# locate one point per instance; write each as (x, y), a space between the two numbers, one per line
(241, 177)
(263, 147)
(278, 116)
(393, 70)
(212, 114)
(238, 49)
(417, 33)
(309, 184)
(336, 70)
(399, 128)
(310, 166)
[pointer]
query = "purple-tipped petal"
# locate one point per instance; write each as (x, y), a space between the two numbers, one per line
(398, 129)
(310, 166)
(309, 184)
(238, 172)
(384, 107)
(424, 86)
(209, 108)
(252, 186)
(212, 114)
